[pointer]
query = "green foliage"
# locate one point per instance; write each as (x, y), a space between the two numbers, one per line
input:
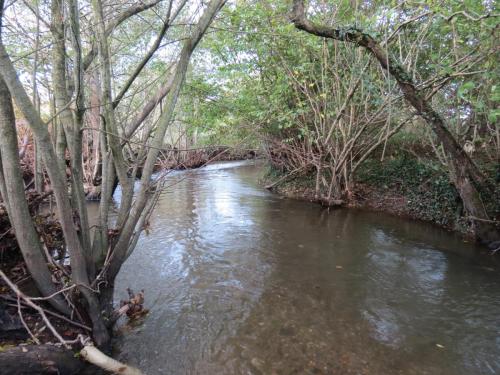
(254, 43)
(430, 195)
(300, 182)
(269, 81)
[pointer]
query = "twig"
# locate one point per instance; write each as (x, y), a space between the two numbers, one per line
(19, 311)
(56, 315)
(497, 223)
(53, 294)
(34, 306)
(270, 186)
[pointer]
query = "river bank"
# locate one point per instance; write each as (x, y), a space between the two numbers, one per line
(402, 186)
(26, 344)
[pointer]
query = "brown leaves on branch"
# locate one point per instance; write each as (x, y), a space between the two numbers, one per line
(133, 308)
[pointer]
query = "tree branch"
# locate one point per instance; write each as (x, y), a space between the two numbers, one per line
(130, 12)
(166, 25)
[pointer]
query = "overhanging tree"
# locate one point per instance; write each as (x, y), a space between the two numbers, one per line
(464, 173)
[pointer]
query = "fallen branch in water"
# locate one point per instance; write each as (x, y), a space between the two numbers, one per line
(133, 308)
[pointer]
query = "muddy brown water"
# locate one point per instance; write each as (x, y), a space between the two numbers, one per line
(241, 281)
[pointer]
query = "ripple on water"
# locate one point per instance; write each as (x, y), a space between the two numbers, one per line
(239, 281)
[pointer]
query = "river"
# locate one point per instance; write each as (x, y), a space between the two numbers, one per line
(241, 281)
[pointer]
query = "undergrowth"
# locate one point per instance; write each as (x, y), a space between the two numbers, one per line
(430, 195)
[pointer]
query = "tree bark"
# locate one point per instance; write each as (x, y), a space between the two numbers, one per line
(17, 207)
(76, 150)
(112, 131)
(64, 118)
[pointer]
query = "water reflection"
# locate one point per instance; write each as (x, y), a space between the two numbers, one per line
(240, 281)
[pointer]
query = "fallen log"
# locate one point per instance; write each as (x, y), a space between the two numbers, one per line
(40, 359)
(50, 360)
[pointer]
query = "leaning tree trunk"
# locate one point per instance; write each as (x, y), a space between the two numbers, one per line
(465, 175)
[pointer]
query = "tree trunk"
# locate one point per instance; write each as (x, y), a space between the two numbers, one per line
(64, 118)
(17, 206)
(95, 123)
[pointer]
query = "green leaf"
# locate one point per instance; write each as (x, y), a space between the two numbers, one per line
(465, 89)
(494, 115)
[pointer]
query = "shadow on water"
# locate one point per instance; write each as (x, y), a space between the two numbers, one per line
(241, 281)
